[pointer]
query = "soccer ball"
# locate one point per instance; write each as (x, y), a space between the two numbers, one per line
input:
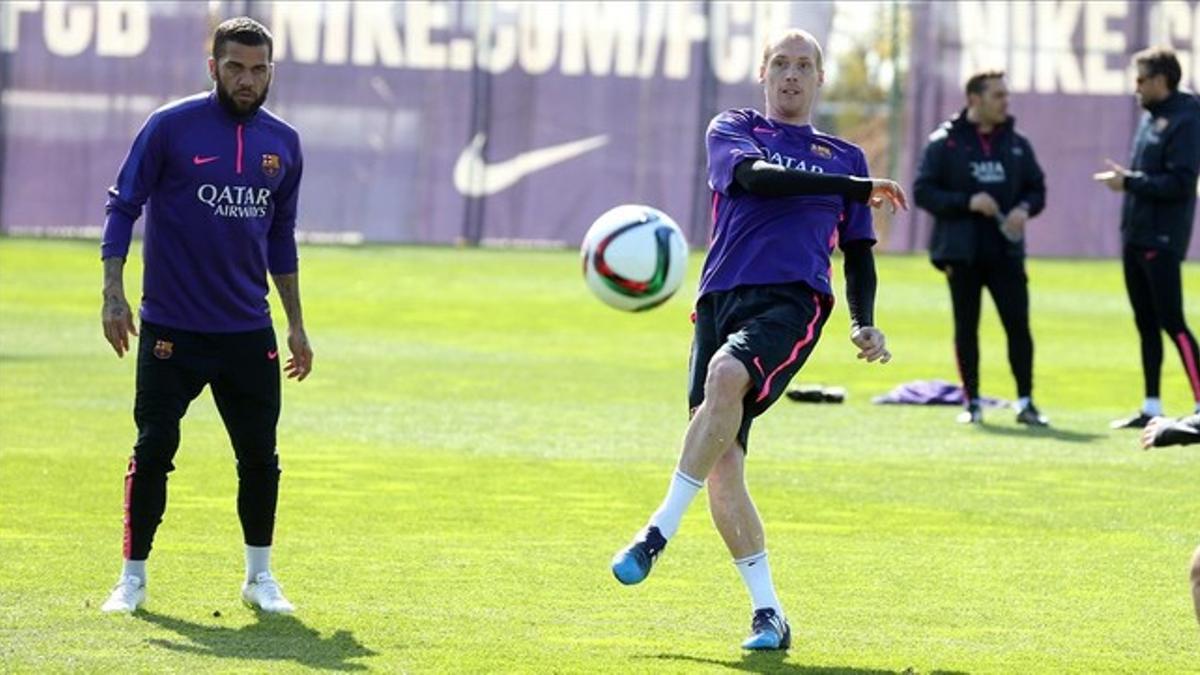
(634, 257)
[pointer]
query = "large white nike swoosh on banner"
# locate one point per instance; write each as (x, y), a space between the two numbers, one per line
(474, 177)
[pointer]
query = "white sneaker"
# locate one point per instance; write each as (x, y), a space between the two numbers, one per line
(126, 596)
(264, 593)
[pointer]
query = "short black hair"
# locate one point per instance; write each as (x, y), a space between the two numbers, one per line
(978, 82)
(1160, 61)
(244, 31)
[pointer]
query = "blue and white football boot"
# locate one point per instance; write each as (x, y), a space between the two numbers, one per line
(632, 564)
(768, 631)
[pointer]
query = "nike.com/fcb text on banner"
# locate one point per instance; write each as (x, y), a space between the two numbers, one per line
(519, 122)
(425, 121)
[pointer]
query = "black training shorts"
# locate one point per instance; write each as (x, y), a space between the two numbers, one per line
(771, 329)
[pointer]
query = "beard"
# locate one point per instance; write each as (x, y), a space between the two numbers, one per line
(238, 108)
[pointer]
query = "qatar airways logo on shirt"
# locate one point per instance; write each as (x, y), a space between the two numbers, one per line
(235, 201)
(793, 163)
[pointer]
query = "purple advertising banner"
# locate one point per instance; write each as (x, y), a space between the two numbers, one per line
(517, 123)
(435, 122)
(1068, 72)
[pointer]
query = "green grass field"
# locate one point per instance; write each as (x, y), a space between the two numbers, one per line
(479, 436)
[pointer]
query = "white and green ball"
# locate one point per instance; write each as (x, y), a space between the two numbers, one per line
(634, 257)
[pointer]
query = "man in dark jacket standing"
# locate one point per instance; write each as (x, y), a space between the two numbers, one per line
(981, 182)
(1156, 220)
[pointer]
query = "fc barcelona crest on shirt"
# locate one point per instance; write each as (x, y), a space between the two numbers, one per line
(821, 151)
(1160, 124)
(163, 349)
(270, 165)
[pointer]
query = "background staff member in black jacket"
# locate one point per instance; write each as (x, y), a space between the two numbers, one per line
(1156, 220)
(980, 180)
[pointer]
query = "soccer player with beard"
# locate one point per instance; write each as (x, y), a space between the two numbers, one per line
(221, 175)
(783, 195)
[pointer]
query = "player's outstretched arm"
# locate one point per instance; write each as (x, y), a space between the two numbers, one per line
(115, 316)
(764, 179)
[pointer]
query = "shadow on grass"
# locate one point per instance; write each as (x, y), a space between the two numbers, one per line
(773, 662)
(1041, 432)
(275, 637)
(16, 358)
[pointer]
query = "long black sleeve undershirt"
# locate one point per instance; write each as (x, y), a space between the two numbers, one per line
(764, 179)
(859, 268)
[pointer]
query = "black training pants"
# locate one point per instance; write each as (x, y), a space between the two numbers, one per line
(1155, 287)
(242, 369)
(1004, 277)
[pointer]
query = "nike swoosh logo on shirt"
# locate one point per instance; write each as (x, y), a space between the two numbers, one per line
(474, 177)
(198, 160)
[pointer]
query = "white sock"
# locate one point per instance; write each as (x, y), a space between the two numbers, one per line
(1023, 402)
(134, 568)
(756, 572)
(1152, 406)
(258, 560)
(683, 490)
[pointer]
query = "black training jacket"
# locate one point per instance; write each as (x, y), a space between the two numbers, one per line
(1160, 193)
(956, 164)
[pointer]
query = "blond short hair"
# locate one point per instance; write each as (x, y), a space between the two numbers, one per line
(791, 34)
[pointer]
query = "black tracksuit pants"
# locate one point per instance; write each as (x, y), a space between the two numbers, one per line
(1004, 277)
(242, 369)
(1155, 287)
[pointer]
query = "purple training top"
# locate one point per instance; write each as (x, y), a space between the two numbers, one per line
(222, 212)
(772, 240)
